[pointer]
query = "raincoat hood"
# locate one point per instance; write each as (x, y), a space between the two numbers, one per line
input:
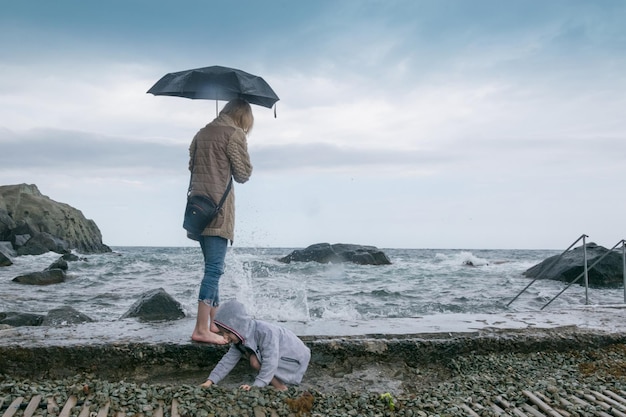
(233, 317)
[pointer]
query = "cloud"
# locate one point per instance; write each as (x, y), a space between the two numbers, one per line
(85, 152)
(404, 123)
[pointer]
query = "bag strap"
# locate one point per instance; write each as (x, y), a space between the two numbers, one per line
(228, 187)
(230, 183)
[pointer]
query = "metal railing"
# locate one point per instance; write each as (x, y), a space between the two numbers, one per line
(584, 274)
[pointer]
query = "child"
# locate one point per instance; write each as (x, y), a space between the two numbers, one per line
(277, 353)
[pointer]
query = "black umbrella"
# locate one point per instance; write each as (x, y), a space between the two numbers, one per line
(216, 83)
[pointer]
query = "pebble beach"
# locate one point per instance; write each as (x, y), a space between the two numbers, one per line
(444, 386)
(484, 365)
(440, 390)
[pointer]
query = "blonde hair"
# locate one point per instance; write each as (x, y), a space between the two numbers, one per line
(240, 111)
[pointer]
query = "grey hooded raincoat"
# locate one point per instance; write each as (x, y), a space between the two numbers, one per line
(281, 353)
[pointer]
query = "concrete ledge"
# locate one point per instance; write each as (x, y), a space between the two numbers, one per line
(128, 350)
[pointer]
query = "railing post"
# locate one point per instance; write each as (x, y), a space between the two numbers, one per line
(586, 271)
(624, 266)
(597, 261)
(547, 269)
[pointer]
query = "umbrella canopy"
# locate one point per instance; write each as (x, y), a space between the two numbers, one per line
(216, 83)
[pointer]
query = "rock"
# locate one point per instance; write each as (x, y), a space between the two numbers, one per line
(606, 274)
(7, 248)
(5, 260)
(155, 305)
(70, 257)
(58, 264)
(47, 277)
(20, 240)
(64, 316)
(6, 222)
(21, 232)
(25, 213)
(20, 319)
(337, 253)
(43, 243)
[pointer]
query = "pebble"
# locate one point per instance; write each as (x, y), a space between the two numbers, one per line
(462, 380)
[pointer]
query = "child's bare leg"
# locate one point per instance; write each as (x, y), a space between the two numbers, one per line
(275, 382)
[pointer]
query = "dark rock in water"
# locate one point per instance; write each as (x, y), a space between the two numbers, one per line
(51, 276)
(5, 260)
(64, 316)
(155, 305)
(26, 213)
(43, 243)
(337, 253)
(20, 319)
(70, 257)
(606, 274)
(58, 264)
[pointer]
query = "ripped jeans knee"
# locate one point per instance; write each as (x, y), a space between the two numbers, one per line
(210, 303)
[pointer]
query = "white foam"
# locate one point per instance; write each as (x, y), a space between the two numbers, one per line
(608, 318)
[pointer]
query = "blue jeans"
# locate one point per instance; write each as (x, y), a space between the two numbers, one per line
(214, 251)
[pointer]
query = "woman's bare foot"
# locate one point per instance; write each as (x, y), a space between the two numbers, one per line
(208, 337)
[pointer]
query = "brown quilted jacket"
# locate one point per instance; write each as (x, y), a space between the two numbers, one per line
(219, 150)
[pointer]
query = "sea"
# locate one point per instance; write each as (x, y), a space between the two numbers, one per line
(418, 283)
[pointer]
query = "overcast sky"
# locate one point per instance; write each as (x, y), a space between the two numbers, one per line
(401, 124)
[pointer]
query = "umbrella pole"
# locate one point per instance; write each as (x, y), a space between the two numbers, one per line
(215, 108)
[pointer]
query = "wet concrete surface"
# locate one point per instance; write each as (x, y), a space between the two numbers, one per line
(343, 353)
(608, 318)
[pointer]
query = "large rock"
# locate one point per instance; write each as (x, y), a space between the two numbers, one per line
(42, 243)
(64, 316)
(7, 249)
(337, 253)
(155, 305)
(25, 214)
(608, 273)
(61, 316)
(6, 222)
(58, 264)
(47, 277)
(16, 319)
(5, 260)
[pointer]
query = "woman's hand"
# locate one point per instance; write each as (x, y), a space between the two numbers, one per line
(245, 387)
(207, 383)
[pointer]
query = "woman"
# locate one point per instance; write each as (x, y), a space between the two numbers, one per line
(218, 151)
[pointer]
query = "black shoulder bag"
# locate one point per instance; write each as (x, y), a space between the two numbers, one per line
(200, 210)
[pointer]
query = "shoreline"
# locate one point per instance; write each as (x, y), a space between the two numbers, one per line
(426, 373)
(162, 351)
(601, 318)
(441, 375)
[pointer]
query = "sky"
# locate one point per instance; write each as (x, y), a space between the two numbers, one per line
(452, 124)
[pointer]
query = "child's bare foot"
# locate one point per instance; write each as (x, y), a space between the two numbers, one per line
(214, 328)
(278, 384)
(208, 337)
